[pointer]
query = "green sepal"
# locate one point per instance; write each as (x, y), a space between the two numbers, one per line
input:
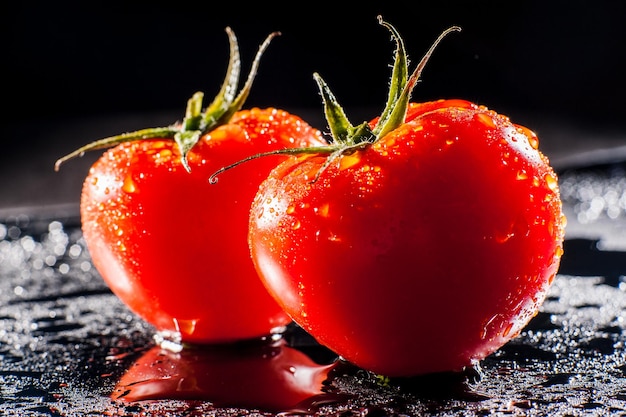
(338, 122)
(345, 138)
(186, 141)
(394, 114)
(196, 122)
(399, 76)
(228, 91)
(150, 133)
(398, 112)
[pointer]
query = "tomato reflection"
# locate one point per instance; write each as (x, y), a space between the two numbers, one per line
(265, 374)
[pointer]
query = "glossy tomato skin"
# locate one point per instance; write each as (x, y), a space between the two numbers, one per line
(172, 246)
(425, 252)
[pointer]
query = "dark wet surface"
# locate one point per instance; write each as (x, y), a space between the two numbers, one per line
(69, 347)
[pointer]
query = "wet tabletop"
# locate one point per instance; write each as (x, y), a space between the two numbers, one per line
(69, 347)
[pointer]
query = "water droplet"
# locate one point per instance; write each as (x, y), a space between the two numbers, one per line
(522, 174)
(507, 330)
(551, 181)
(558, 252)
(296, 225)
(164, 154)
(536, 181)
(186, 326)
(291, 209)
(485, 119)
(533, 140)
(551, 278)
(129, 185)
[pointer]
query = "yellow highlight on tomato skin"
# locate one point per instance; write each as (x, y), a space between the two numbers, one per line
(348, 161)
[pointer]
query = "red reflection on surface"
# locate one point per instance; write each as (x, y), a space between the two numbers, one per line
(266, 375)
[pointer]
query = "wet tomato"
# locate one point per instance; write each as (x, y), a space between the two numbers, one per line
(169, 244)
(419, 242)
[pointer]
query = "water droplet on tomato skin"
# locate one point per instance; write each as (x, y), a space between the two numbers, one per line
(533, 140)
(551, 278)
(129, 185)
(485, 119)
(551, 182)
(507, 330)
(558, 252)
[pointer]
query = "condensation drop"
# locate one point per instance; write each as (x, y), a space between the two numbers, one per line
(507, 330)
(485, 119)
(129, 185)
(551, 181)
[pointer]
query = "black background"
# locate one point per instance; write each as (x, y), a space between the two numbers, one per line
(565, 58)
(67, 63)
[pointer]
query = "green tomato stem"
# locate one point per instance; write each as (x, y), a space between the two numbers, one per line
(196, 122)
(345, 138)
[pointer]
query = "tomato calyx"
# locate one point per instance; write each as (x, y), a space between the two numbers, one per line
(346, 138)
(196, 121)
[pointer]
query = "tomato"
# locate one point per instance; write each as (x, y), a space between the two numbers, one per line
(172, 246)
(419, 242)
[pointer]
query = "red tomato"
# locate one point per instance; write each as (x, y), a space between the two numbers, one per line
(420, 250)
(172, 246)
